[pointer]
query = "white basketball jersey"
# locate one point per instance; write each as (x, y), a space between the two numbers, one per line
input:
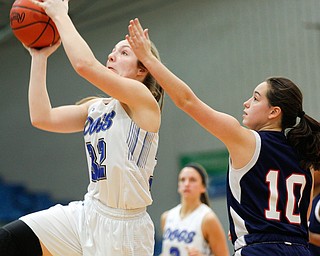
(121, 157)
(182, 233)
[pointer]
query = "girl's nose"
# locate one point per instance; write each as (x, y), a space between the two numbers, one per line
(247, 103)
(111, 57)
(186, 182)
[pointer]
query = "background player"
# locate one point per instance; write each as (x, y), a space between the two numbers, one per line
(192, 228)
(269, 178)
(314, 219)
(121, 141)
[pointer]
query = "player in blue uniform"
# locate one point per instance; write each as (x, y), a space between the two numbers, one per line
(314, 219)
(121, 141)
(269, 177)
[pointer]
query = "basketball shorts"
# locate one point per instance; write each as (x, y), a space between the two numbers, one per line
(274, 249)
(258, 244)
(90, 228)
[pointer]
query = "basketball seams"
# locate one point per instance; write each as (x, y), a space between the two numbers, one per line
(40, 35)
(31, 25)
(45, 28)
(29, 8)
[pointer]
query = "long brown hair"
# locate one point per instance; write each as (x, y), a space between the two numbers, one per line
(303, 135)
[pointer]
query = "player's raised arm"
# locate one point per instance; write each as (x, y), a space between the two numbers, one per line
(126, 88)
(223, 126)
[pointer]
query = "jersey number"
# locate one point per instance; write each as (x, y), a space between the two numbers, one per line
(174, 251)
(98, 169)
(291, 182)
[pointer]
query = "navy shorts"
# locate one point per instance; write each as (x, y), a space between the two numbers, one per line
(274, 249)
(266, 244)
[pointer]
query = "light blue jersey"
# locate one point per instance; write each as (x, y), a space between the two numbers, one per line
(121, 157)
(181, 233)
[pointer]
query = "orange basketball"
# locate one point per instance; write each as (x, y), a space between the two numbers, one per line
(31, 25)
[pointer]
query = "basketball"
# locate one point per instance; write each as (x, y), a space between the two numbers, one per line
(31, 25)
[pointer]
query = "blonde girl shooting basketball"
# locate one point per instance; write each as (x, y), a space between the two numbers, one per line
(121, 140)
(269, 177)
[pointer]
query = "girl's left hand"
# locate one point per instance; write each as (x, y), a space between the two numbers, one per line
(53, 8)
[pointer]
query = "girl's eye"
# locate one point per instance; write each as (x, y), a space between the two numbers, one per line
(255, 99)
(124, 53)
(182, 180)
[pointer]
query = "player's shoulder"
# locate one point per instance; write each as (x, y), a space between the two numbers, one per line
(164, 215)
(173, 210)
(209, 216)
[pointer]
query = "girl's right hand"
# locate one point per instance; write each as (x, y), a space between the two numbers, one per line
(139, 40)
(46, 51)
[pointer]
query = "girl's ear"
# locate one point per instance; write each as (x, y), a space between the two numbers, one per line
(276, 111)
(142, 71)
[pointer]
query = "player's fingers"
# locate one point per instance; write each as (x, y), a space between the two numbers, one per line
(134, 35)
(57, 44)
(130, 28)
(134, 30)
(131, 33)
(138, 26)
(130, 41)
(66, 3)
(128, 38)
(146, 33)
(38, 3)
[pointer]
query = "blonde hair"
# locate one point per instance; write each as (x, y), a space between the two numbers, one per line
(86, 99)
(150, 82)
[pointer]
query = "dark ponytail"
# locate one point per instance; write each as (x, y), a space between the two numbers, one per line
(305, 138)
(303, 135)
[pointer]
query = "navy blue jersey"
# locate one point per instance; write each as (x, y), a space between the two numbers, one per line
(268, 199)
(314, 223)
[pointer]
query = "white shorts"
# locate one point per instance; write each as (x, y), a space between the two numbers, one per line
(90, 228)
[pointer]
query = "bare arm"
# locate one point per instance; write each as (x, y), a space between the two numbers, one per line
(64, 119)
(214, 234)
(314, 238)
(223, 126)
(130, 92)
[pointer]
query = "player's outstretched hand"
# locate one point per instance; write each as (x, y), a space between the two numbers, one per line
(139, 41)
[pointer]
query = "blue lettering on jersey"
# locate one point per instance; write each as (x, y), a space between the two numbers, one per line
(98, 169)
(100, 124)
(180, 236)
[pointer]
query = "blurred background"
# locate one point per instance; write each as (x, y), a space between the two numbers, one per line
(221, 48)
